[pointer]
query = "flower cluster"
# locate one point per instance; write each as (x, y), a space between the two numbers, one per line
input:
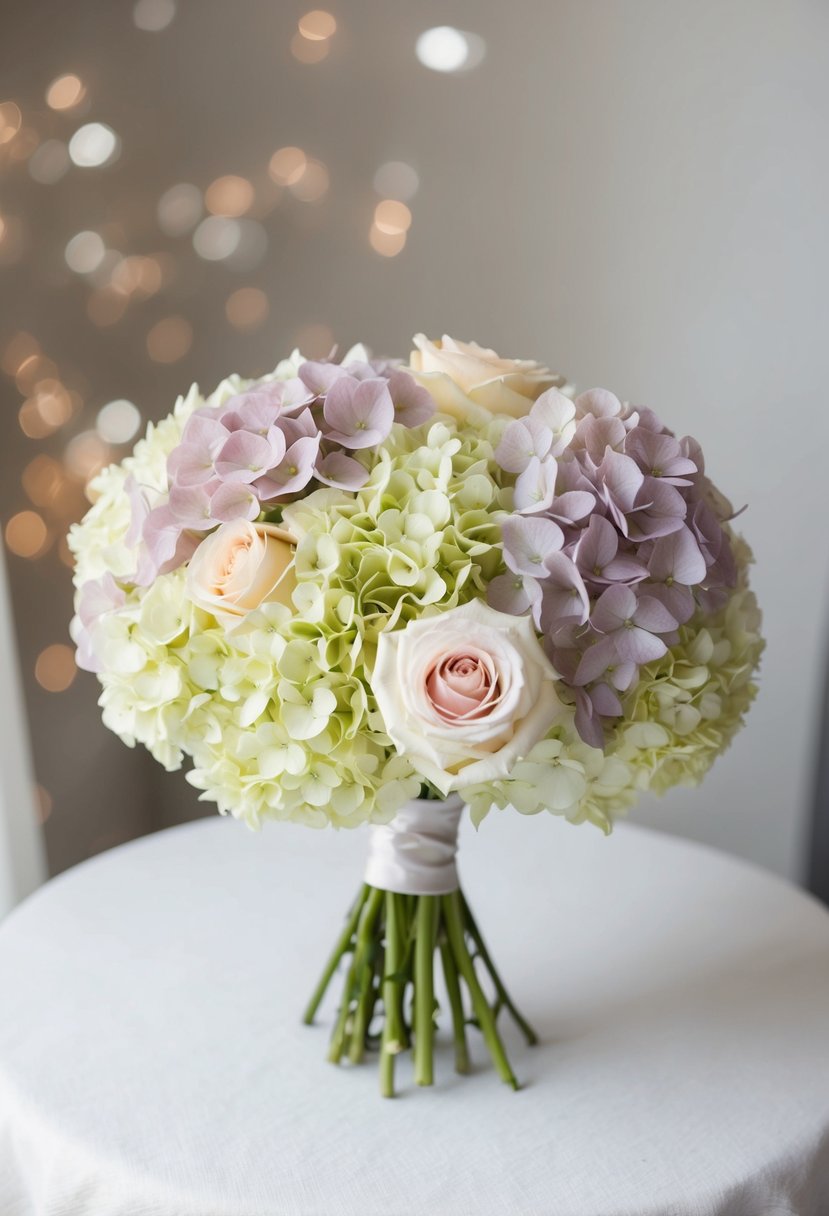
(265, 445)
(616, 539)
(343, 581)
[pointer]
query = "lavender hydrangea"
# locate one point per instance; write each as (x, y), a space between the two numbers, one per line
(617, 539)
(267, 445)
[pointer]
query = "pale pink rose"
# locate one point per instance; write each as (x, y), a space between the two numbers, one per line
(465, 694)
(239, 567)
(472, 383)
(464, 685)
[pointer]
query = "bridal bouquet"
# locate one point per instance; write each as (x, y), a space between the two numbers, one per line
(364, 591)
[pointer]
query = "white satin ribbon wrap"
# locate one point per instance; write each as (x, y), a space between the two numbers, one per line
(415, 853)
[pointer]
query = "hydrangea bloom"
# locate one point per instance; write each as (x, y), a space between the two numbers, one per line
(583, 515)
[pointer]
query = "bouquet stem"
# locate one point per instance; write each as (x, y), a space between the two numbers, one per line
(392, 941)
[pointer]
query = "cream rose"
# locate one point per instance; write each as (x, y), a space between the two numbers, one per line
(465, 694)
(471, 382)
(240, 566)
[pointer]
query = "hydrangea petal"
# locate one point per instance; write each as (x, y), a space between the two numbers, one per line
(191, 462)
(518, 446)
(638, 646)
(319, 376)
(359, 414)
(234, 500)
(555, 413)
(535, 487)
(413, 404)
(293, 472)
(652, 615)
(244, 456)
(615, 606)
(513, 593)
(599, 402)
(678, 557)
(527, 542)
(341, 471)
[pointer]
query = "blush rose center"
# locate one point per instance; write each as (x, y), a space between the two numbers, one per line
(463, 686)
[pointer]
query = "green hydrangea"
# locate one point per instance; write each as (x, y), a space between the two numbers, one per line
(278, 716)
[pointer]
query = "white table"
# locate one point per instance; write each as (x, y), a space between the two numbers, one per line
(152, 1060)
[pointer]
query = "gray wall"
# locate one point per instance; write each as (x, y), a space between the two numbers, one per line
(633, 190)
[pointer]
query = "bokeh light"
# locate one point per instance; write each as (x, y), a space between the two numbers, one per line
(65, 92)
(11, 121)
(18, 351)
(389, 244)
(136, 275)
(216, 238)
(169, 340)
(31, 421)
(392, 217)
(12, 239)
(118, 421)
(313, 184)
(315, 340)
(251, 246)
(396, 179)
(86, 455)
(94, 145)
(43, 480)
(27, 534)
(84, 252)
(307, 50)
(49, 163)
(445, 49)
(33, 368)
(229, 195)
(317, 25)
(247, 308)
(287, 166)
(153, 16)
(53, 403)
(179, 209)
(106, 307)
(24, 144)
(55, 667)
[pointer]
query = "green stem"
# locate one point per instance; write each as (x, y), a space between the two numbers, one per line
(364, 974)
(341, 948)
(453, 991)
(393, 1037)
(371, 909)
(424, 991)
(503, 996)
(453, 914)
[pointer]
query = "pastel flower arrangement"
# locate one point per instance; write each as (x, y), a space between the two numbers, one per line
(254, 579)
(353, 583)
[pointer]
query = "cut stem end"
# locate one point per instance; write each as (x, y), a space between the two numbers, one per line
(393, 941)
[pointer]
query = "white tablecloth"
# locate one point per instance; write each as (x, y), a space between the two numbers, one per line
(152, 1059)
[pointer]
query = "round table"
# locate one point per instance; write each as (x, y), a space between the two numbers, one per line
(152, 1060)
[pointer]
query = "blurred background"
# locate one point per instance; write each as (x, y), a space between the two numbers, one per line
(633, 191)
